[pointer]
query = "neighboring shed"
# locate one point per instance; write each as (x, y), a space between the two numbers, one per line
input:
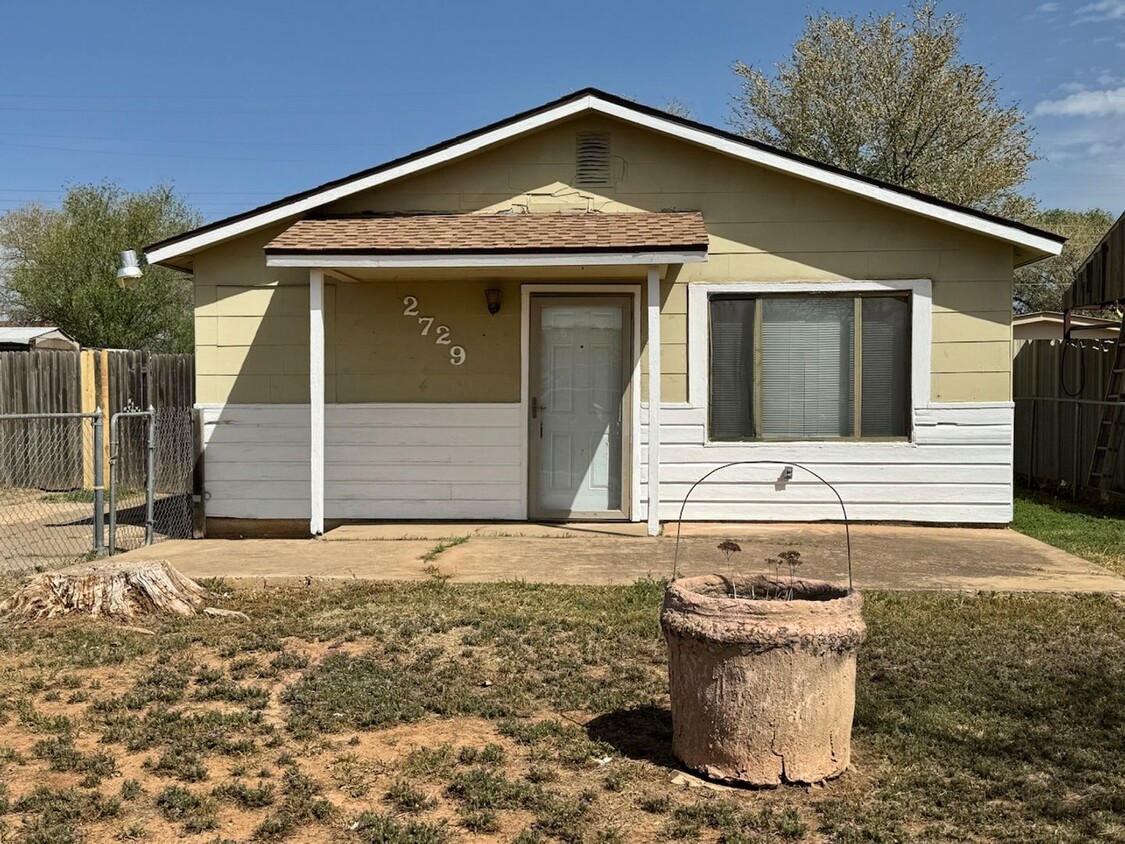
(43, 338)
(1100, 281)
(581, 310)
(1048, 325)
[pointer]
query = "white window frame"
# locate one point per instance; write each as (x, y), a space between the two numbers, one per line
(920, 291)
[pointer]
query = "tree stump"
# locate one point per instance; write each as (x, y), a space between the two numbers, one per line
(106, 589)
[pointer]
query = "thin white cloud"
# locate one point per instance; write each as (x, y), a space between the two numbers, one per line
(1103, 10)
(1085, 104)
(1047, 8)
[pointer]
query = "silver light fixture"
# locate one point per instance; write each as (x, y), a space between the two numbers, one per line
(129, 273)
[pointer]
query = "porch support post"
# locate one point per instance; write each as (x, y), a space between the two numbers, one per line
(316, 402)
(653, 303)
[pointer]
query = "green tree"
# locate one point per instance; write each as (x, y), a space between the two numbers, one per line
(1040, 286)
(62, 266)
(892, 99)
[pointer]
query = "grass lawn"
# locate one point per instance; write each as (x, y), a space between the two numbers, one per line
(1079, 529)
(420, 713)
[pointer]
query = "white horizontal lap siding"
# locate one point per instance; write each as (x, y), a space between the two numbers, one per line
(958, 468)
(256, 461)
(382, 461)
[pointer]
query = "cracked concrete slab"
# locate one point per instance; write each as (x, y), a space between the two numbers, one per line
(883, 556)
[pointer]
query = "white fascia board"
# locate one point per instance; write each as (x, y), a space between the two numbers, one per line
(813, 173)
(547, 259)
(332, 194)
(746, 152)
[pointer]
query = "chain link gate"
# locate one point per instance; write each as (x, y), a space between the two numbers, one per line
(151, 465)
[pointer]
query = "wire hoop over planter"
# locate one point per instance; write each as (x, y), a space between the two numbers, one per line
(839, 498)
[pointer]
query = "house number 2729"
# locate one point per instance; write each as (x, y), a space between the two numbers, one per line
(440, 332)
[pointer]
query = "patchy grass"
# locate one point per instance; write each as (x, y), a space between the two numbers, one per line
(442, 547)
(428, 712)
(1078, 528)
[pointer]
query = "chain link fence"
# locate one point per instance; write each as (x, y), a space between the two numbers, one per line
(48, 487)
(55, 472)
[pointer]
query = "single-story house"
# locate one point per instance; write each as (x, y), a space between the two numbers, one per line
(578, 311)
(1049, 325)
(22, 338)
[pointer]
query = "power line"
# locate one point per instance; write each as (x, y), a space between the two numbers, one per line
(135, 154)
(257, 143)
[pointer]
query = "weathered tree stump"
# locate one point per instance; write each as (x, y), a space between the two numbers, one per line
(107, 589)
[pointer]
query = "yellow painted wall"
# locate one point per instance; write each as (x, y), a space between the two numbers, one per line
(764, 226)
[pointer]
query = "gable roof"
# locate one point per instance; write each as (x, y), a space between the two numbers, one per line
(1031, 243)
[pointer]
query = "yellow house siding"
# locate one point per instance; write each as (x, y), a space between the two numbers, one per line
(384, 357)
(252, 327)
(252, 320)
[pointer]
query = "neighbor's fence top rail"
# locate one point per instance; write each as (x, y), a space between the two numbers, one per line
(76, 415)
(1068, 400)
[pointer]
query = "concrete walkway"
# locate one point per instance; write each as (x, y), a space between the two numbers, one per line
(883, 556)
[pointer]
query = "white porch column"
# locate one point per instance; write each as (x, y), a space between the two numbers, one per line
(653, 302)
(316, 402)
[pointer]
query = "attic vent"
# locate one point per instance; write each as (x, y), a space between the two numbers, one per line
(592, 159)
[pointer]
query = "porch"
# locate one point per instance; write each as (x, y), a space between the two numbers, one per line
(569, 440)
(884, 556)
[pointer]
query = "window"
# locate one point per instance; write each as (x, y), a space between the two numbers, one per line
(810, 367)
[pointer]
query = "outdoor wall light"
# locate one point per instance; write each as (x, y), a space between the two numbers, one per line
(129, 273)
(492, 297)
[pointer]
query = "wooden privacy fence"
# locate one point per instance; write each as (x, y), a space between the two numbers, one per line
(79, 382)
(1055, 433)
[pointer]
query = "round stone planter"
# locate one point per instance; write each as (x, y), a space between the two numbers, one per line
(763, 691)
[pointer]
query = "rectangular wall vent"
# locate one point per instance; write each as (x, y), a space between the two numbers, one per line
(592, 159)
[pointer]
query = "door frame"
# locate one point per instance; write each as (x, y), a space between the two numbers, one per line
(631, 429)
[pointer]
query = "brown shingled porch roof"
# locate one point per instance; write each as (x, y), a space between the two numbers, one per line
(466, 234)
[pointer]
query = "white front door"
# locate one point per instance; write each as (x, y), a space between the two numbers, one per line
(579, 415)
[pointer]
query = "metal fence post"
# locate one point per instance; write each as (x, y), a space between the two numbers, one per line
(150, 476)
(99, 485)
(113, 483)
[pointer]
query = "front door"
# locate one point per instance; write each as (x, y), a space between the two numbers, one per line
(579, 412)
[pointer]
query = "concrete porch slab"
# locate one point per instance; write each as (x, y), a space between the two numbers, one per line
(884, 557)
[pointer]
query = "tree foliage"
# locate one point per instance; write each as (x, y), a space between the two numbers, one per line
(62, 266)
(1040, 286)
(892, 99)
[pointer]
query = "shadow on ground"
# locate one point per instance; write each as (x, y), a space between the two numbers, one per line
(643, 733)
(172, 517)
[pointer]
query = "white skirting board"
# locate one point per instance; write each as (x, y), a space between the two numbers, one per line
(381, 461)
(956, 469)
(465, 461)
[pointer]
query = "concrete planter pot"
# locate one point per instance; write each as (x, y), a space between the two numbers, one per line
(763, 691)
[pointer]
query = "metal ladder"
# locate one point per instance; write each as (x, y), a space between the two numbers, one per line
(1111, 430)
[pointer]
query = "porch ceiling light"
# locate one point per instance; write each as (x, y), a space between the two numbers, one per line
(492, 297)
(129, 273)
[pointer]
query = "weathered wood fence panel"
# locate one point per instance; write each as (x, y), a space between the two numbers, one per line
(1059, 394)
(40, 453)
(71, 382)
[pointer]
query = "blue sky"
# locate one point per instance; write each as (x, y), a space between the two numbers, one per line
(239, 102)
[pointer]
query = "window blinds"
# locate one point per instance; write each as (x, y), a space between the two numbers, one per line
(807, 366)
